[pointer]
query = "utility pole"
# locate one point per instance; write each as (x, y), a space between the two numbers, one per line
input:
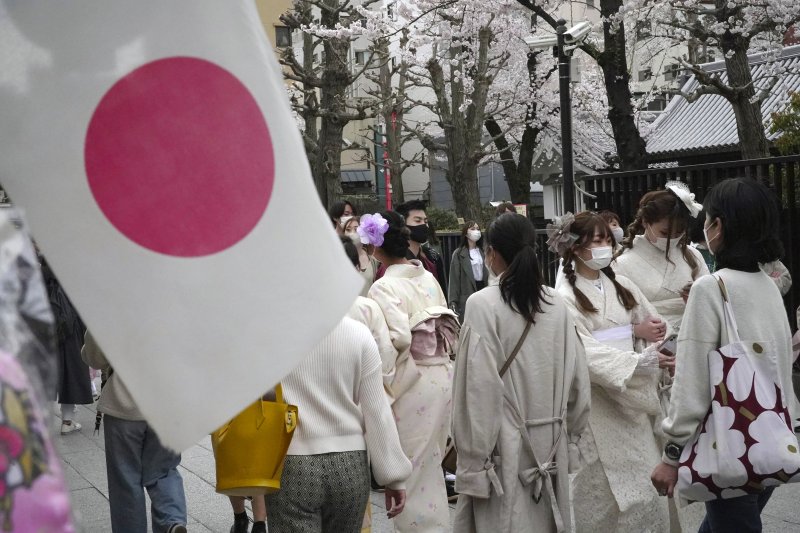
(564, 87)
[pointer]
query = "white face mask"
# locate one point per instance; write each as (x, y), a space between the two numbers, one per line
(619, 234)
(661, 242)
(708, 241)
(344, 219)
(474, 235)
(488, 262)
(601, 258)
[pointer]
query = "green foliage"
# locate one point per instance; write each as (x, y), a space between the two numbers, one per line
(443, 219)
(787, 123)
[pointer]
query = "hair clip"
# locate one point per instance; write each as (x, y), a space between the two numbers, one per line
(372, 228)
(681, 190)
(559, 238)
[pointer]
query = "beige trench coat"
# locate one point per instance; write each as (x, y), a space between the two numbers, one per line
(495, 419)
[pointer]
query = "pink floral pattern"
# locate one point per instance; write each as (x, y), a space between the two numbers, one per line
(745, 442)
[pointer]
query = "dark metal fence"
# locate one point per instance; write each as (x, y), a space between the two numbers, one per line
(621, 192)
(547, 259)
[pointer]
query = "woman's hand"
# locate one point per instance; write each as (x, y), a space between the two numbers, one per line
(664, 479)
(651, 330)
(668, 362)
(395, 502)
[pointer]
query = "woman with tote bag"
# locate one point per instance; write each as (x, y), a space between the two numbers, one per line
(728, 423)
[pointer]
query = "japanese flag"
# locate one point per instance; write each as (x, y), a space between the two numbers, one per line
(164, 177)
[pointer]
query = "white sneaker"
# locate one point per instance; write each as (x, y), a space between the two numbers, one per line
(70, 427)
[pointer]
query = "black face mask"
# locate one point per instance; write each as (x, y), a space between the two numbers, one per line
(419, 233)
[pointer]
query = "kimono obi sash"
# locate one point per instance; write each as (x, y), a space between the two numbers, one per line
(434, 336)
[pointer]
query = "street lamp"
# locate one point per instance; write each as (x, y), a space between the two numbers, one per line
(564, 41)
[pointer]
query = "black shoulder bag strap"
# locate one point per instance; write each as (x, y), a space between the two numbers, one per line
(516, 348)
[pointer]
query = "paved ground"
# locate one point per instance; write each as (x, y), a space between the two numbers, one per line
(84, 464)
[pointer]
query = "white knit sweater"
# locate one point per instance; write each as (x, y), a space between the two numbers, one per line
(338, 390)
(759, 312)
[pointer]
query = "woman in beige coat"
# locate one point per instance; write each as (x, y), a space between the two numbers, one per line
(517, 435)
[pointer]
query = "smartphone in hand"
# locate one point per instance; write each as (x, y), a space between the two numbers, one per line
(669, 345)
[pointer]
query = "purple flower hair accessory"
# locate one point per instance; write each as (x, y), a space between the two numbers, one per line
(372, 228)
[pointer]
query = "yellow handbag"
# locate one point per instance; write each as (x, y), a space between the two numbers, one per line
(250, 449)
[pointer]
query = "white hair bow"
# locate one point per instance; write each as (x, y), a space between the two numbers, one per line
(681, 190)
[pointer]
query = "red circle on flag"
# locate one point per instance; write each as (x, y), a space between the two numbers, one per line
(179, 157)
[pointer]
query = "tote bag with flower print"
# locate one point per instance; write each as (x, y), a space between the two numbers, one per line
(746, 441)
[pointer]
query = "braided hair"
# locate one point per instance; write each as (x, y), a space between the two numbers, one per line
(586, 226)
(659, 205)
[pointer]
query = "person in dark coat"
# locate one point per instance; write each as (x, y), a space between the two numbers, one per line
(468, 274)
(74, 386)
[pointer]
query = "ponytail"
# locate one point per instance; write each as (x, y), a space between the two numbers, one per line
(521, 284)
(513, 237)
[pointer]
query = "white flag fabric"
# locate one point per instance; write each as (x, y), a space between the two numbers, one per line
(153, 148)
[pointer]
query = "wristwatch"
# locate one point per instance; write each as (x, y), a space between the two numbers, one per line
(673, 451)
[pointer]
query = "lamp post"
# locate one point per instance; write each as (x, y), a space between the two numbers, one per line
(565, 94)
(563, 43)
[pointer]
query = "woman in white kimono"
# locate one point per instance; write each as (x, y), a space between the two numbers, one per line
(617, 326)
(514, 433)
(418, 374)
(656, 255)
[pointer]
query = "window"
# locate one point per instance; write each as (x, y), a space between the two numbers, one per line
(646, 74)
(283, 37)
(360, 57)
(659, 103)
(671, 72)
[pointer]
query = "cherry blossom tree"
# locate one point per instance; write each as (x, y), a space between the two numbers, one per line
(471, 57)
(735, 28)
(322, 76)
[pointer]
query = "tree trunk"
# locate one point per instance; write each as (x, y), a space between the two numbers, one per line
(462, 168)
(518, 175)
(463, 178)
(310, 102)
(335, 80)
(749, 122)
(631, 148)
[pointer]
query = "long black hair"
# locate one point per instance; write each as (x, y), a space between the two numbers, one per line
(521, 287)
(750, 225)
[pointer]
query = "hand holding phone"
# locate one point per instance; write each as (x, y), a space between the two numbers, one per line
(669, 345)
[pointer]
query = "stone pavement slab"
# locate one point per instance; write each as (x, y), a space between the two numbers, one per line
(83, 457)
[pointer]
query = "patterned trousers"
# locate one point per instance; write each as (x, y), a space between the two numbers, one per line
(325, 493)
